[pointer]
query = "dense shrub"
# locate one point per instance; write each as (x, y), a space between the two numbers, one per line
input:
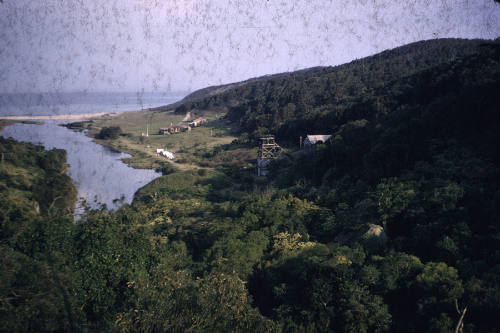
(109, 133)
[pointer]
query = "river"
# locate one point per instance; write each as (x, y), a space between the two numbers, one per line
(98, 173)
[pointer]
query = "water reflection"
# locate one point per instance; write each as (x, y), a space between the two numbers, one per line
(98, 173)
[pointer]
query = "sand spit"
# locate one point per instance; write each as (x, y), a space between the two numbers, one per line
(62, 116)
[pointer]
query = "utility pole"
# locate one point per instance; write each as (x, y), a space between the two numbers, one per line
(149, 120)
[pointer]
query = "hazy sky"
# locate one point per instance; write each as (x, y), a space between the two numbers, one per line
(178, 45)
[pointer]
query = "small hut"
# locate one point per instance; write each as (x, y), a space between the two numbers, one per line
(197, 122)
(312, 140)
(170, 129)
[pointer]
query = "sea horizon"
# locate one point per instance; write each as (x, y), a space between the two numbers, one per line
(72, 103)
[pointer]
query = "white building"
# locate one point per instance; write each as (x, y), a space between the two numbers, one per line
(312, 140)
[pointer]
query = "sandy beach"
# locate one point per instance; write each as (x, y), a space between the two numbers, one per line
(61, 116)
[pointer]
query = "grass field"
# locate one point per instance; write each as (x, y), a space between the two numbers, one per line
(205, 146)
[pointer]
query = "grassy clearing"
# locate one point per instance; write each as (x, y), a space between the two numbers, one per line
(206, 146)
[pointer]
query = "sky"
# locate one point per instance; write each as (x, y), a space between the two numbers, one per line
(184, 45)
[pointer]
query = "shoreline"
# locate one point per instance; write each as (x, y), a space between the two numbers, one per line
(70, 118)
(83, 116)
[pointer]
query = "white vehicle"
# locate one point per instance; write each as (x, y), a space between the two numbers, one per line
(165, 153)
(168, 155)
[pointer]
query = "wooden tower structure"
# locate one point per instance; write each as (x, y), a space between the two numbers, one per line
(268, 151)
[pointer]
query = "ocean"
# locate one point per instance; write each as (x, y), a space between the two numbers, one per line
(47, 104)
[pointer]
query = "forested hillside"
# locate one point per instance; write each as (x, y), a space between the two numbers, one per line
(36, 213)
(318, 99)
(424, 165)
(390, 225)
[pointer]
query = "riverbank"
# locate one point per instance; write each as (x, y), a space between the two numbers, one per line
(7, 122)
(205, 146)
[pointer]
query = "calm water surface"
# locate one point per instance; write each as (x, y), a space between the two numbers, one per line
(99, 174)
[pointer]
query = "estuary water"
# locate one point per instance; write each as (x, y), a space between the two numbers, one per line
(98, 172)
